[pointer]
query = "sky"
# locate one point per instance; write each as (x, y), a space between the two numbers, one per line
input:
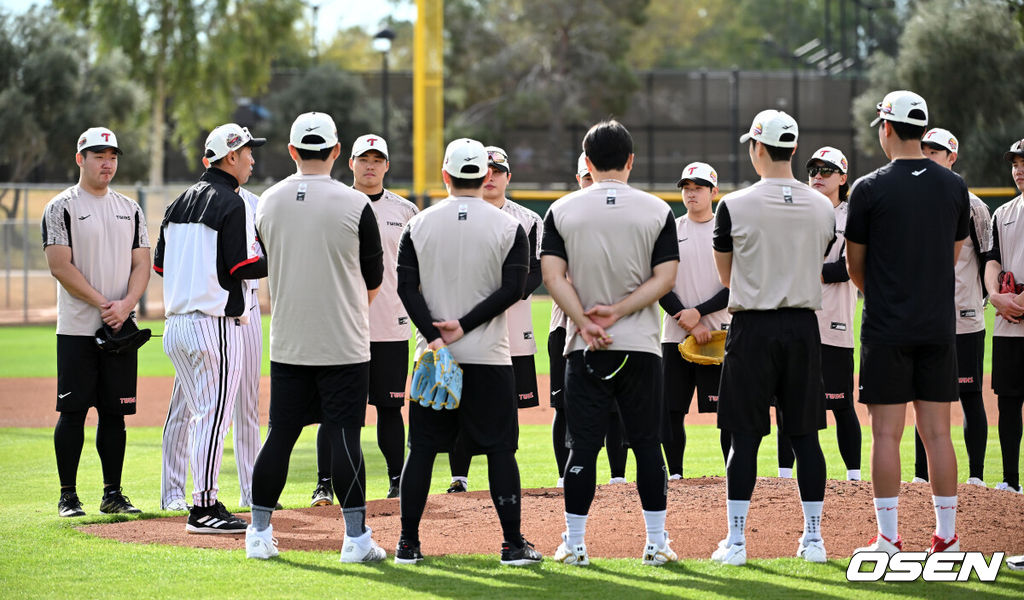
(333, 14)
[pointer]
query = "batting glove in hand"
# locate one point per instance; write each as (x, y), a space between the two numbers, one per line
(424, 379)
(447, 391)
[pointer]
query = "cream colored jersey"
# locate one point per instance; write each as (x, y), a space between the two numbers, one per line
(558, 318)
(311, 226)
(251, 201)
(612, 235)
(838, 300)
(389, 321)
(520, 317)
(101, 232)
(1008, 243)
(968, 295)
(461, 244)
(696, 278)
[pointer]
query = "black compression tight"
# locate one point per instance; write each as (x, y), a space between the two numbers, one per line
(391, 437)
(581, 479)
(69, 437)
(847, 435)
(348, 472)
(741, 468)
(975, 437)
(1010, 429)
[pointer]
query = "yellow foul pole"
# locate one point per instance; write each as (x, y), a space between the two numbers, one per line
(428, 98)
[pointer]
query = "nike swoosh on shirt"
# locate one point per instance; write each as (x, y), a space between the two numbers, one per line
(916, 173)
(1009, 222)
(64, 395)
(84, 218)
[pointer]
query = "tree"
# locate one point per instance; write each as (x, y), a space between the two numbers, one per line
(940, 45)
(194, 57)
(50, 91)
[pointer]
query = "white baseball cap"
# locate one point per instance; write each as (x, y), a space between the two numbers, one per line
(699, 173)
(773, 128)
(370, 141)
(465, 159)
(1016, 149)
(496, 157)
(902, 106)
(831, 156)
(941, 137)
(96, 139)
(228, 137)
(582, 170)
(318, 126)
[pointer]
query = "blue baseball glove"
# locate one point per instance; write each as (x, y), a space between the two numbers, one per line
(424, 379)
(447, 391)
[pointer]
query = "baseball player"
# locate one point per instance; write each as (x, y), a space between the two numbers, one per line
(1007, 256)
(827, 173)
(488, 250)
(520, 319)
(97, 248)
(769, 242)
(608, 254)
(389, 322)
(614, 446)
(206, 252)
(695, 306)
(942, 147)
(902, 256)
(326, 266)
(245, 422)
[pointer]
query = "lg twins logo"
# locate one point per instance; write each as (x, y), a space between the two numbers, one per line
(911, 566)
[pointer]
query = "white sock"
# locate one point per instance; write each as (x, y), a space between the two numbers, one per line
(812, 521)
(785, 473)
(464, 480)
(945, 516)
(655, 521)
(576, 528)
(887, 514)
(853, 474)
(736, 511)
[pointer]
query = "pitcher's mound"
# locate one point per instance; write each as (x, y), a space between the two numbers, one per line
(988, 521)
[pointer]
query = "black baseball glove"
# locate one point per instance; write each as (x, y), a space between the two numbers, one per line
(128, 339)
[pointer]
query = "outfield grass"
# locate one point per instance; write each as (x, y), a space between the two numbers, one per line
(30, 351)
(45, 557)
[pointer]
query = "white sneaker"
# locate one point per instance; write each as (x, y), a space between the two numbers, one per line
(975, 481)
(735, 555)
(880, 543)
(361, 549)
(659, 554)
(675, 477)
(260, 544)
(617, 480)
(177, 505)
(560, 483)
(812, 551)
(1008, 488)
(572, 554)
(918, 480)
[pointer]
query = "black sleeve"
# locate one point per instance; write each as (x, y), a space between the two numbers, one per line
(963, 224)
(666, 247)
(534, 277)
(552, 242)
(409, 288)
(993, 254)
(513, 282)
(723, 229)
(835, 272)
(857, 218)
(371, 253)
(158, 254)
(715, 303)
(671, 303)
(234, 248)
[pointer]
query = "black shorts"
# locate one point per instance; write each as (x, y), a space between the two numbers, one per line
(556, 364)
(837, 376)
(772, 353)
(304, 394)
(635, 388)
(902, 374)
(485, 421)
(89, 377)
(970, 360)
(1007, 361)
(389, 368)
(682, 376)
(526, 381)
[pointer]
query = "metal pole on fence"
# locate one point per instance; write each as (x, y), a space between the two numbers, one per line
(7, 256)
(142, 204)
(650, 129)
(734, 130)
(24, 247)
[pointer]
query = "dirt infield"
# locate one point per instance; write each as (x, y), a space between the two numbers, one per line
(988, 521)
(30, 402)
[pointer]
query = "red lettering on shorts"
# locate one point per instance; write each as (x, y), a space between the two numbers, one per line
(966, 380)
(841, 396)
(713, 398)
(397, 394)
(128, 400)
(526, 396)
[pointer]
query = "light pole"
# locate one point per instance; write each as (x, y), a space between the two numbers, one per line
(382, 43)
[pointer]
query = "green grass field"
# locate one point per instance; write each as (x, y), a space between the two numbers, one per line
(45, 557)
